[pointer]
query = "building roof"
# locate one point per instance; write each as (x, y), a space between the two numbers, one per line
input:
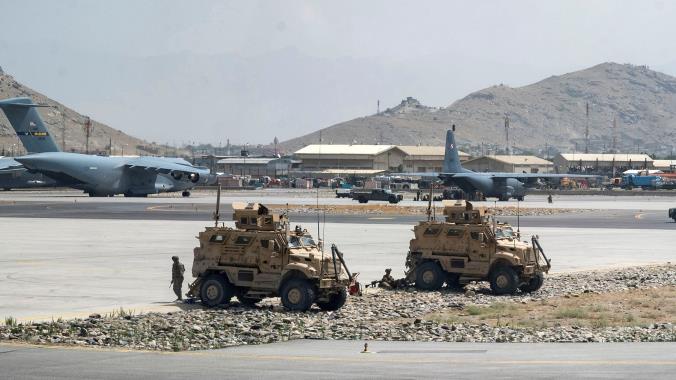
(247, 160)
(664, 163)
(516, 160)
(344, 149)
(606, 157)
(426, 150)
(341, 171)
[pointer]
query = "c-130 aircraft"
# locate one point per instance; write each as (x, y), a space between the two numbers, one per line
(501, 185)
(98, 176)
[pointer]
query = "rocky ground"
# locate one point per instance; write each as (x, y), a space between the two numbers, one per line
(377, 315)
(388, 209)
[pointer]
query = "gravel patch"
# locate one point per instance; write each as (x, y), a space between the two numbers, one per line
(378, 315)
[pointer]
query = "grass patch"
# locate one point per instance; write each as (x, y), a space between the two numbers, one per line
(10, 321)
(636, 307)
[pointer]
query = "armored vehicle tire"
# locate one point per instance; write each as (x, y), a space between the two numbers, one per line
(297, 295)
(453, 281)
(393, 201)
(247, 301)
(429, 276)
(504, 280)
(215, 290)
(362, 200)
(335, 302)
(534, 284)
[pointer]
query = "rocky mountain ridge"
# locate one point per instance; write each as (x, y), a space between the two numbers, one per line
(547, 115)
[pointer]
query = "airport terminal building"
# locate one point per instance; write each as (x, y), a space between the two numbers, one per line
(601, 163)
(510, 164)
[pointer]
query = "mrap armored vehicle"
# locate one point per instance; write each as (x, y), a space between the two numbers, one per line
(467, 247)
(262, 257)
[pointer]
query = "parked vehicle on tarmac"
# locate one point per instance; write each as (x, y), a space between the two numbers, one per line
(468, 247)
(672, 213)
(261, 257)
(363, 196)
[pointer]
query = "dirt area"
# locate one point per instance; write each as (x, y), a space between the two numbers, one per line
(393, 209)
(636, 307)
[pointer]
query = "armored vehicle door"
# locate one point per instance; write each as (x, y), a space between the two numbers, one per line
(271, 255)
(477, 246)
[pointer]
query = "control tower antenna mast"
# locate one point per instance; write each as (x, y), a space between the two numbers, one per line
(508, 147)
(586, 129)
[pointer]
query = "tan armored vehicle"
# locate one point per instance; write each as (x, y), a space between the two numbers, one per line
(468, 247)
(261, 257)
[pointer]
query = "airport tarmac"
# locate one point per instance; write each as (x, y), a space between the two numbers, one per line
(305, 359)
(64, 254)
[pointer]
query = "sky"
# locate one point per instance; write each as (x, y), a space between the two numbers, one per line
(248, 71)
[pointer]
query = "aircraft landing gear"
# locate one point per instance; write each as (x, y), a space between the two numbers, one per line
(185, 193)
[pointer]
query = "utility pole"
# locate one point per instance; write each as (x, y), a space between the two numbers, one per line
(378, 108)
(586, 130)
(87, 130)
(63, 131)
(614, 147)
(509, 150)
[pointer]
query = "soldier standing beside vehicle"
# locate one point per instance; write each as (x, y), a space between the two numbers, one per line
(177, 270)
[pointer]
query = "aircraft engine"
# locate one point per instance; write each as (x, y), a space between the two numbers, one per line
(176, 175)
(194, 177)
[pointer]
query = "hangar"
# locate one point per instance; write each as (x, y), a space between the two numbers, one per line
(509, 164)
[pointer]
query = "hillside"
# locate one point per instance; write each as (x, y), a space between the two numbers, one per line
(549, 113)
(99, 140)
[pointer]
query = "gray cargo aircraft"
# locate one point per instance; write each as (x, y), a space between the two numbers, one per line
(491, 184)
(95, 175)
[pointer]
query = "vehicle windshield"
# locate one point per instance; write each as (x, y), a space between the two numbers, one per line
(504, 232)
(301, 241)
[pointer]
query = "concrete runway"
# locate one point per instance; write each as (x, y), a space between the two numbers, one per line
(63, 254)
(304, 359)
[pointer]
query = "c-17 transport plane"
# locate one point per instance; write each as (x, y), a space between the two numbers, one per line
(95, 175)
(499, 185)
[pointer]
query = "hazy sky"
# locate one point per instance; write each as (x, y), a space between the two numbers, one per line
(208, 71)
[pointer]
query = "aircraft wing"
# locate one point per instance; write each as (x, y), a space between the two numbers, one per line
(160, 165)
(529, 175)
(7, 164)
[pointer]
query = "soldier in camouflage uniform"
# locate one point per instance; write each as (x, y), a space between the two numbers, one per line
(177, 271)
(387, 282)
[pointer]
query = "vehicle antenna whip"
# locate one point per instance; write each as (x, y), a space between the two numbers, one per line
(518, 215)
(217, 215)
(429, 203)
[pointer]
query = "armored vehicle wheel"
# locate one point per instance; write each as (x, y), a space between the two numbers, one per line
(185, 193)
(534, 284)
(215, 290)
(297, 295)
(429, 276)
(335, 302)
(247, 301)
(453, 281)
(362, 200)
(504, 280)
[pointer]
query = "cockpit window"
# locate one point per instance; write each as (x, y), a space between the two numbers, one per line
(294, 242)
(301, 241)
(504, 232)
(307, 240)
(217, 239)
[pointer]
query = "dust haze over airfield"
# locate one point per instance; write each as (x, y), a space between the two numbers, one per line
(178, 72)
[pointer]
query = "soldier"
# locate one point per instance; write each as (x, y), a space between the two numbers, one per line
(387, 282)
(549, 199)
(177, 270)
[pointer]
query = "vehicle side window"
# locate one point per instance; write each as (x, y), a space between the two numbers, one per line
(243, 220)
(243, 240)
(217, 239)
(474, 235)
(265, 243)
(431, 231)
(454, 233)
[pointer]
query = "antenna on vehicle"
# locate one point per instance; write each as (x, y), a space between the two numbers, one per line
(217, 214)
(518, 215)
(429, 203)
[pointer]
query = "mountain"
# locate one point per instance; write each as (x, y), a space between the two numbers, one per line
(550, 114)
(100, 138)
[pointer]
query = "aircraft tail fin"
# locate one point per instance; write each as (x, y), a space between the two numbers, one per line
(28, 125)
(451, 157)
